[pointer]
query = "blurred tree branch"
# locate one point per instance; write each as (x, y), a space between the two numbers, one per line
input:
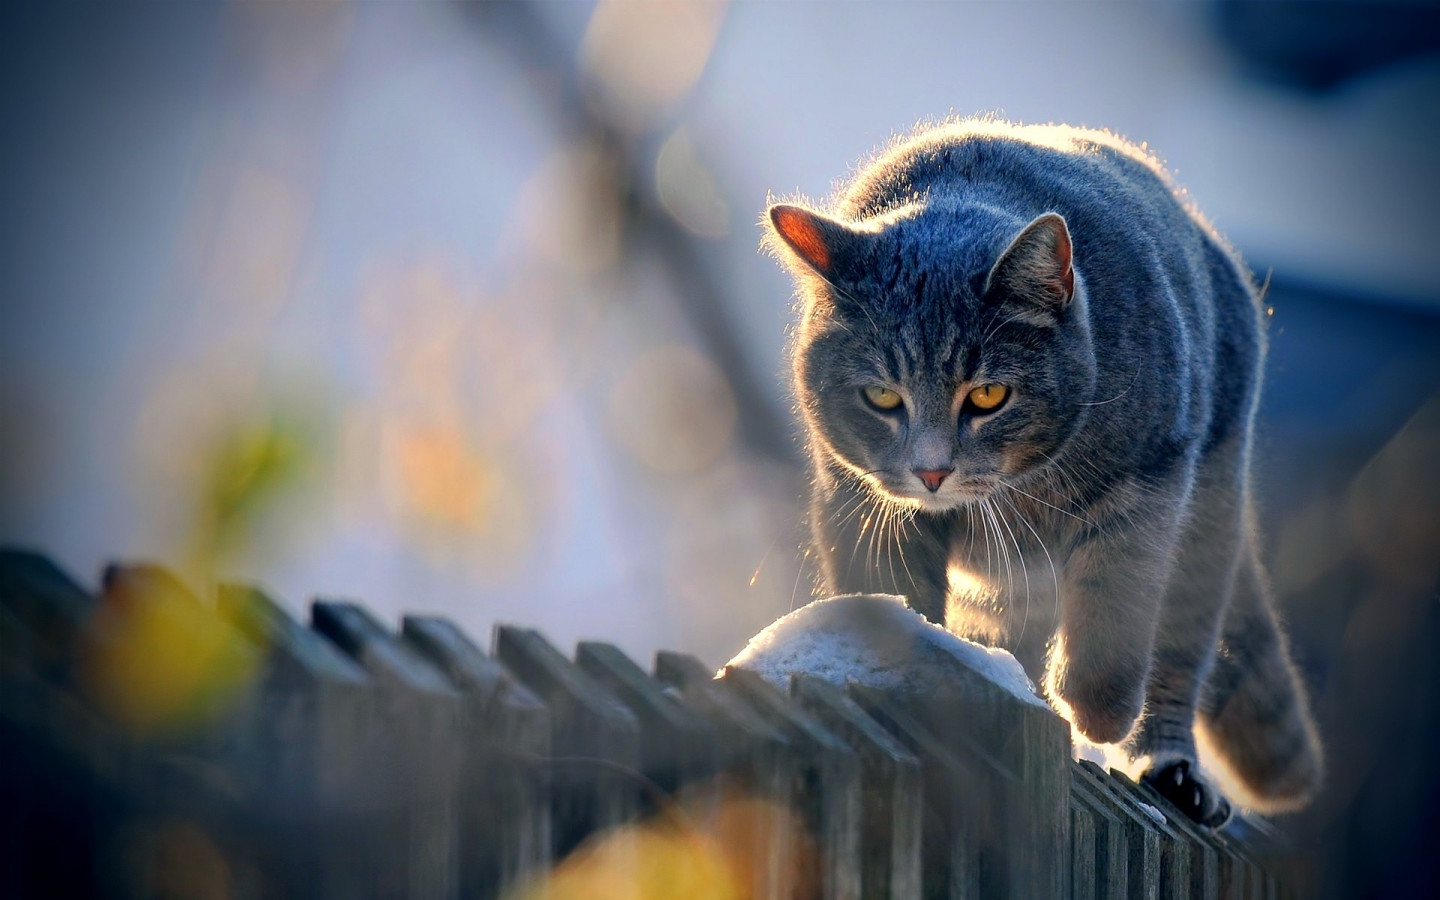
(763, 428)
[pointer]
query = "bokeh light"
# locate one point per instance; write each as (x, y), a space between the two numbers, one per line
(698, 848)
(641, 58)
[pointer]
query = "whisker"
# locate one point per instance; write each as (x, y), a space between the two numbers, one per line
(873, 570)
(970, 550)
(1004, 550)
(1066, 512)
(799, 571)
(859, 536)
(888, 546)
(992, 571)
(902, 523)
(1133, 379)
(1024, 571)
(855, 505)
(1053, 573)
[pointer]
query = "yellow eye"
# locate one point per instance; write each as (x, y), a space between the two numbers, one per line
(988, 396)
(882, 398)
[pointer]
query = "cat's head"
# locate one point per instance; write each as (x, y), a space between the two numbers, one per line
(941, 350)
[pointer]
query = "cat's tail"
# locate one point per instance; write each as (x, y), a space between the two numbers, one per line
(1254, 714)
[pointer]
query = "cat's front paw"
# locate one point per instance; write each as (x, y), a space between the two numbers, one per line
(1190, 792)
(1103, 709)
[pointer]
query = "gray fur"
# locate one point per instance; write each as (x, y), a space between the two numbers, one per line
(1102, 513)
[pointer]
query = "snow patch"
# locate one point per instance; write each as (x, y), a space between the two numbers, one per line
(875, 640)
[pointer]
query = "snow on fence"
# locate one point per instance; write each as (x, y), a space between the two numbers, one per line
(155, 745)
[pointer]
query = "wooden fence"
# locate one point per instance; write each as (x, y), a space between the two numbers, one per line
(155, 745)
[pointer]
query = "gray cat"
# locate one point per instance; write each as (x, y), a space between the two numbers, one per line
(1028, 372)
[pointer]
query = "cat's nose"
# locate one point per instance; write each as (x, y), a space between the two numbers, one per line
(932, 477)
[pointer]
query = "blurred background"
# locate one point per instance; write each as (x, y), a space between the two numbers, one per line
(458, 308)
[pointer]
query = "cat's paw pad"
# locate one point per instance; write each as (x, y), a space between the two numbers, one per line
(1196, 797)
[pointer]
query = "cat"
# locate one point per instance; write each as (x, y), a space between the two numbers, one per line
(1027, 370)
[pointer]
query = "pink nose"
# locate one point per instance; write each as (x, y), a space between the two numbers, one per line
(932, 477)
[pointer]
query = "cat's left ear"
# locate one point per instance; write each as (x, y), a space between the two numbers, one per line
(1037, 267)
(831, 249)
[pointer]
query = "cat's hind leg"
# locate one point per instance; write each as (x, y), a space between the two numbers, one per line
(1254, 713)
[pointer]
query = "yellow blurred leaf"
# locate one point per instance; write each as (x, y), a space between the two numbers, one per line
(160, 662)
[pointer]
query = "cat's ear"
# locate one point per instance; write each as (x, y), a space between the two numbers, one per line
(831, 249)
(1037, 267)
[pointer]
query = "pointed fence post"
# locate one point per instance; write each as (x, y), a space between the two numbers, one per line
(827, 791)
(678, 745)
(1111, 847)
(1209, 860)
(1142, 836)
(1177, 864)
(66, 778)
(504, 781)
(890, 790)
(594, 738)
(968, 699)
(758, 761)
(177, 681)
(1082, 852)
(962, 812)
(308, 740)
(1033, 743)
(1257, 841)
(1250, 881)
(52, 609)
(416, 741)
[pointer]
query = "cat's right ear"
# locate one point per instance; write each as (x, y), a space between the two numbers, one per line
(827, 247)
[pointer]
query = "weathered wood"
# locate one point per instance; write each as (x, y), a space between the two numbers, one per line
(678, 746)
(415, 750)
(307, 767)
(1142, 837)
(311, 701)
(1031, 743)
(504, 781)
(175, 680)
(19, 649)
(594, 738)
(1210, 862)
(758, 760)
(59, 787)
(67, 780)
(890, 790)
(1256, 842)
(1083, 876)
(1252, 873)
(744, 734)
(53, 609)
(1177, 851)
(827, 789)
(962, 815)
(1111, 847)
(1235, 869)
